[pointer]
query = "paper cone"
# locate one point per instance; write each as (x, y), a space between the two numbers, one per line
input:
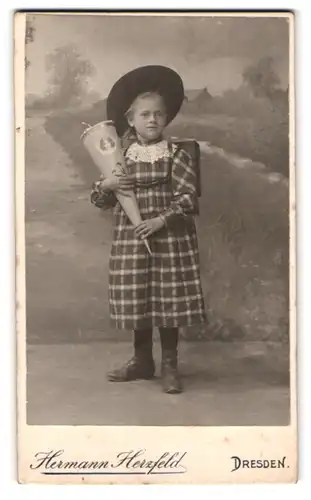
(103, 145)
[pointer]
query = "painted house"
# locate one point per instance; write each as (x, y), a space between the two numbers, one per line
(197, 95)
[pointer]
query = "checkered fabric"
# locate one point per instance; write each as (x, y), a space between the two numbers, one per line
(162, 290)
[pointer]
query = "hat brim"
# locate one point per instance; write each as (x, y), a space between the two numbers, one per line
(159, 79)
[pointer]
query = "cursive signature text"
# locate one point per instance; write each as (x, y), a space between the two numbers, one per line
(126, 462)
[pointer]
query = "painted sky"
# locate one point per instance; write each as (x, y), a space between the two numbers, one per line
(206, 51)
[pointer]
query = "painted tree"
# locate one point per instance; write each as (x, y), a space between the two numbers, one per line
(261, 78)
(69, 74)
(29, 37)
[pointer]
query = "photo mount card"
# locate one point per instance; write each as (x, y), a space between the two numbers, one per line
(235, 420)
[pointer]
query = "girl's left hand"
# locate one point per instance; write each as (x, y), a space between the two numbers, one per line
(148, 227)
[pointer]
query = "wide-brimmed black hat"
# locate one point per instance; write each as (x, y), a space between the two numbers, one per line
(159, 79)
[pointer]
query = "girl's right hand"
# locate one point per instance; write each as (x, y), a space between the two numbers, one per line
(124, 182)
(118, 182)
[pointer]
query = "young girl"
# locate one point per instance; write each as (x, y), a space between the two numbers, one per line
(161, 290)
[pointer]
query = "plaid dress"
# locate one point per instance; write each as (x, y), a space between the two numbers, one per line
(162, 290)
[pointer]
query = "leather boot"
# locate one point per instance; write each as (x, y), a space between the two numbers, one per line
(141, 365)
(171, 382)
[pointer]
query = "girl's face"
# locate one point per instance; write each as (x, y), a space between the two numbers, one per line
(148, 117)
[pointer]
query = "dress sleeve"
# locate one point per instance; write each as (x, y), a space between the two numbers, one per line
(183, 183)
(104, 199)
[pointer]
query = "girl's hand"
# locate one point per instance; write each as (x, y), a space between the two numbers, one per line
(118, 183)
(124, 182)
(148, 227)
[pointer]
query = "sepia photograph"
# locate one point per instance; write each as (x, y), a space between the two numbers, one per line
(157, 180)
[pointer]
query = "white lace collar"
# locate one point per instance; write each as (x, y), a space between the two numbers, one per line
(150, 153)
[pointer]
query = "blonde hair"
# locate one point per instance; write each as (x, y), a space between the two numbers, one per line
(144, 95)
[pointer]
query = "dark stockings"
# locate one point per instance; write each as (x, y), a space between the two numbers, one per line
(170, 377)
(142, 339)
(169, 338)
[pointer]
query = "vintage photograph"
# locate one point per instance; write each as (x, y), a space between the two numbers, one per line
(157, 219)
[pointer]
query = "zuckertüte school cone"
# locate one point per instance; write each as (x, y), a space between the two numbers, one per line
(103, 145)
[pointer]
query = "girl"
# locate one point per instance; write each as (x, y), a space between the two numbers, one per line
(161, 290)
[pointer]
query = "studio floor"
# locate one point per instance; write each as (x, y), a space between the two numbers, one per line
(226, 384)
